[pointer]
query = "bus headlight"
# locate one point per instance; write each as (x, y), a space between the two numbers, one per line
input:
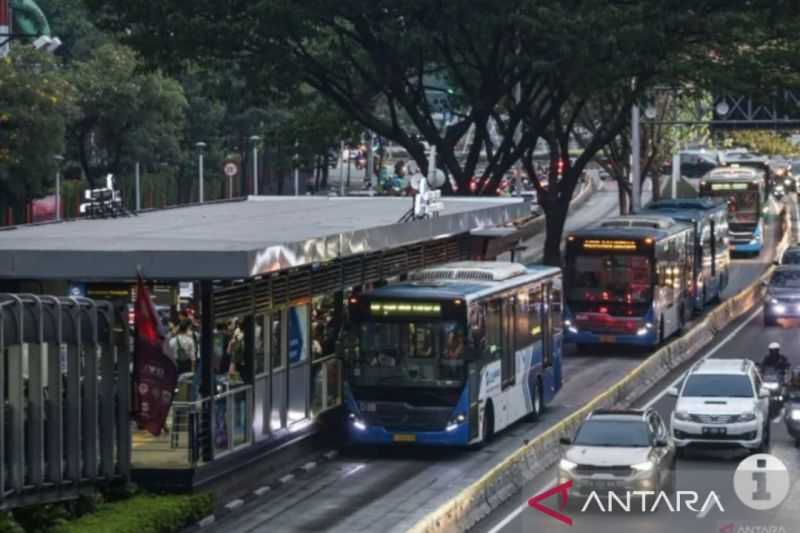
(795, 414)
(357, 422)
(454, 422)
(644, 330)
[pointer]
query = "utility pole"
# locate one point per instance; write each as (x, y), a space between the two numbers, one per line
(341, 168)
(137, 187)
(58, 159)
(254, 139)
(200, 179)
(636, 158)
(370, 156)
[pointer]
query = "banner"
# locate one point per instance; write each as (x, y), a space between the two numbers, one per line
(43, 209)
(155, 375)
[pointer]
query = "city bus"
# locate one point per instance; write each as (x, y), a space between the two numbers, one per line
(627, 281)
(454, 354)
(745, 192)
(709, 217)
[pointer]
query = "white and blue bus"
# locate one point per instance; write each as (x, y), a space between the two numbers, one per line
(709, 217)
(627, 281)
(744, 190)
(453, 355)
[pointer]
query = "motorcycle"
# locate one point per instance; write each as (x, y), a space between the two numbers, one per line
(775, 380)
(792, 414)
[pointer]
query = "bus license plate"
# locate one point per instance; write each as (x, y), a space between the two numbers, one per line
(404, 437)
(608, 338)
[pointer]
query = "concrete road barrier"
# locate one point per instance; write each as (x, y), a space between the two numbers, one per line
(507, 478)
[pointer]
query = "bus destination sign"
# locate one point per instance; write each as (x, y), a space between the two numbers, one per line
(730, 186)
(405, 308)
(609, 244)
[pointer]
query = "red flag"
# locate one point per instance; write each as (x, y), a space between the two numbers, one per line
(154, 373)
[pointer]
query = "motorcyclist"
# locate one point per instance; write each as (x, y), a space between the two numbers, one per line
(775, 359)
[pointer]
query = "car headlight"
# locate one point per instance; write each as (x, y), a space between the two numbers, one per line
(566, 464)
(643, 467)
(747, 417)
(795, 414)
(681, 415)
(572, 329)
(773, 301)
(771, 386)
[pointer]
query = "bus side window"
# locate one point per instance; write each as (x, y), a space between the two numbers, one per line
(535, 313)
(494, 332)
(522, 321)
(556, 318)
(477, 331)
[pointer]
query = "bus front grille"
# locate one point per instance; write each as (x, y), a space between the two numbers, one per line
(400, 417)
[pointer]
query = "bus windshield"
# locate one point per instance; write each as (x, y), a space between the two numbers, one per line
(743, 205)
(409, 353)
(621, 278)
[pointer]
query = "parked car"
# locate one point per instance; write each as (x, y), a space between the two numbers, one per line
(721, 403)
(619, 450)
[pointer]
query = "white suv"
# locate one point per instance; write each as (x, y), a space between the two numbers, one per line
(721, 403)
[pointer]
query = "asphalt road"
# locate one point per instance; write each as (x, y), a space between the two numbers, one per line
(389, 489)
(702, 471)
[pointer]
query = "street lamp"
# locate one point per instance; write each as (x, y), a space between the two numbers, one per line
(255, 139)
(59, 159)
(297, 170)
(201, 146)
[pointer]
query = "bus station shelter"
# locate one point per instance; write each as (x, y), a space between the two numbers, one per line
(265, 280)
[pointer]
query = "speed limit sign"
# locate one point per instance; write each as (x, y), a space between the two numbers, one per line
(231, 168)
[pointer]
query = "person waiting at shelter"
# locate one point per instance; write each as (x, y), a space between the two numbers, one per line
(183, 348)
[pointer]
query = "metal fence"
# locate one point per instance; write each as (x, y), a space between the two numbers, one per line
(64, 425)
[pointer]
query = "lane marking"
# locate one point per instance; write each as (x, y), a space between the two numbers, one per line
(711, 352)
(262, 490)
(234, 504)
(287, 478)
(309, 466)
(516, 512)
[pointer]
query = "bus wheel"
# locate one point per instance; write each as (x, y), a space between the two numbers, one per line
(488, 423)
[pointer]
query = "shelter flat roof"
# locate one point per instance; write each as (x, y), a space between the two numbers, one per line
(234, 240)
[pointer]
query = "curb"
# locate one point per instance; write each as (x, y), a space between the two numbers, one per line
(237, 504)
(509, 476)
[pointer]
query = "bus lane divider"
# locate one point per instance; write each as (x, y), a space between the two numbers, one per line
(508, 477)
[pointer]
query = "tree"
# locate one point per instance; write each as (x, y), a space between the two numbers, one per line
(526, 69)
(762, 142)
(36, 103)
(124, 115)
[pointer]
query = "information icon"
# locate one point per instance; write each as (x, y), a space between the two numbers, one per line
(761, 481)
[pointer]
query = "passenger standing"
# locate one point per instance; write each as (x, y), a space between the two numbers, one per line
(183, 347)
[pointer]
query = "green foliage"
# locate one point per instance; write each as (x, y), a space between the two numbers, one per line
(9, 525)
(763, 142)
(41, 518)
(124, 115)
(143, 514)
(37, 102)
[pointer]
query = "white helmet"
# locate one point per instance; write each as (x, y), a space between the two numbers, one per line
(774, 346)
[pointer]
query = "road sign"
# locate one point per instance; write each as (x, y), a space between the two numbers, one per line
(231, 168)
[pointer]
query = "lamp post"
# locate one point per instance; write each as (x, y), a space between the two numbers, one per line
(254, 139)
(296, 159)
(201, 146)
(59, 159)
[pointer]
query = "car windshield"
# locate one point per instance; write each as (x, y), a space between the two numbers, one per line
(718, 386)
(785, 279)
(613, 433)
(791, 257)
(621, 278)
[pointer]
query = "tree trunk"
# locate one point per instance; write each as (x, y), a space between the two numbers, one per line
(555, 217)
(656, 181)
(622, 193)
(326, 162)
